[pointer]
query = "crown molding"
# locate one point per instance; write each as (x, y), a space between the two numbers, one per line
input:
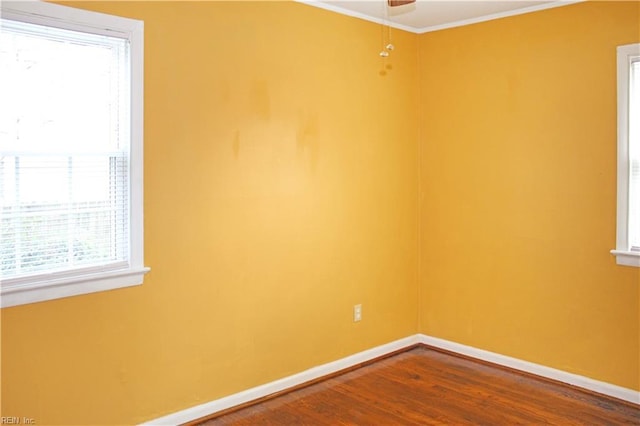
(453, 24)
(494, 16)
(354, 14)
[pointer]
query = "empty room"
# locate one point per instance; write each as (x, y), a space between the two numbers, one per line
(210, 204)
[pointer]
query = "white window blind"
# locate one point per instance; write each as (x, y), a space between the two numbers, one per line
(64, 146)
(70, 152)
(634, 155)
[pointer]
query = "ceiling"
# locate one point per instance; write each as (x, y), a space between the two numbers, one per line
(431, 15)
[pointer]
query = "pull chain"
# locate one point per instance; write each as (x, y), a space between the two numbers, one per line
(387, 45)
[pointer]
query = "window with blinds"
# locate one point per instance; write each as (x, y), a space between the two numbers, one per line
(627, 249)
(70, 144)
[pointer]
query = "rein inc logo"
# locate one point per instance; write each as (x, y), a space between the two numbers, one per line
(14, 420)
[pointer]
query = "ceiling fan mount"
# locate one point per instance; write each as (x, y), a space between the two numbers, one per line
(395, 3)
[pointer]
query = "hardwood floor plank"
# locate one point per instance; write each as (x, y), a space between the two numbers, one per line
(423, 386)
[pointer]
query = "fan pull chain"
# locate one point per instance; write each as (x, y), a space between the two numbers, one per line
(387, 45)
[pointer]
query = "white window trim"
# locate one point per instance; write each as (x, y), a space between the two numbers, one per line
(55, 286)
(624, 256)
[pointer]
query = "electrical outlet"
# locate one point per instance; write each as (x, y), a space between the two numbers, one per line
(357, 312)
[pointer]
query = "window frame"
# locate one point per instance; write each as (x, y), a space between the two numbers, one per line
(624, 256)
(71, 283)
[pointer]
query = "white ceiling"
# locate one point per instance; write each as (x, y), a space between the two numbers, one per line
(431, 15)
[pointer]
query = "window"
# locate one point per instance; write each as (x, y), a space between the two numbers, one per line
(70, 152)
(627, 250)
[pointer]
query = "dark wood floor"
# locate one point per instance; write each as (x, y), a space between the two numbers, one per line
(427, 387)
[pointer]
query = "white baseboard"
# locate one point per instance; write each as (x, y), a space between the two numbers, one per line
(261, 391)
(214, 406)
(604, 388)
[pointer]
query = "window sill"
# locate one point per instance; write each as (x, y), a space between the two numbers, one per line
(627, 258)
(71, 286)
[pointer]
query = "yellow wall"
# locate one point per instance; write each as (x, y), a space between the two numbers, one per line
(281, 177)
(286, 179)
(518, 190)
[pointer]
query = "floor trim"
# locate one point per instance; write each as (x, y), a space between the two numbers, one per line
(286, 383)
(313, 374)
(604, 388)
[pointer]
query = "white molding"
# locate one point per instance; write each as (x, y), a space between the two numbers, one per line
(494, 16)
(389, 22)
(285, 383)
(354, 14)
(626, 258)
(604, 388)
(214, 406)
(625, 55)
(51, 289)
(70, 18)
